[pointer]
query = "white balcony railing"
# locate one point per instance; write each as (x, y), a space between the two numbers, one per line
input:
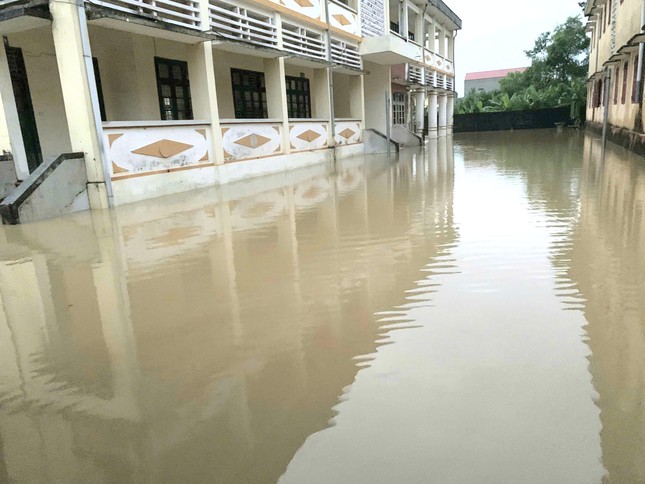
(450, 83)
(345, 53)
(415, 74)
(138, 148)
(244, 139)
(184, 13)
(240, 23)
(302, 41)
(306, 135)
(430, 78)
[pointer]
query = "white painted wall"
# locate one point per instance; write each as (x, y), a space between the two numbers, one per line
(224, 61)
(127, 67)
(377, 83)
(46, 94)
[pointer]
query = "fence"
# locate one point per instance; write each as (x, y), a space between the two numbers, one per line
(530, 119)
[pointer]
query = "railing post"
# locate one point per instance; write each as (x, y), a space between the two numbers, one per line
(204, 15)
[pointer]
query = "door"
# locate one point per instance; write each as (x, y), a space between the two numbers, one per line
(24, 106)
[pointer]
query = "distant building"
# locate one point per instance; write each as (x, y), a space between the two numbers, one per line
(487, 80)
(615, 80)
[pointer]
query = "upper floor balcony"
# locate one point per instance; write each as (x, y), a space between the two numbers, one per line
(278, 27)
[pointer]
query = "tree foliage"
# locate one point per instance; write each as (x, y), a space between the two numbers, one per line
(556, 77)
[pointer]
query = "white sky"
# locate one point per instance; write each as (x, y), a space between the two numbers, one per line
(495, 33)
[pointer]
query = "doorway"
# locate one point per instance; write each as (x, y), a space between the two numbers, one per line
(24, 106)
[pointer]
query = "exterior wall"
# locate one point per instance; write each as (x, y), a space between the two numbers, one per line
(610, 47)
(127, 69)
(486, 85)
(46, 94)
(342, 96)
(224, 61)
(377, 84)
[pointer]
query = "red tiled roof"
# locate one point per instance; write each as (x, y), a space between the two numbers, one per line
(475, 76)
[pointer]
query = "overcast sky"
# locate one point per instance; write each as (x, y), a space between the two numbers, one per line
(495, 33)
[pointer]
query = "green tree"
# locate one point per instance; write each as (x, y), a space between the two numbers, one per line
(556, 77)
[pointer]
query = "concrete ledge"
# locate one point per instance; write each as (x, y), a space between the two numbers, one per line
(376, 142)
(404, 137)
(40, 196)
(631, 140)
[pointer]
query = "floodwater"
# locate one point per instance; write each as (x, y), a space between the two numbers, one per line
(474, 313)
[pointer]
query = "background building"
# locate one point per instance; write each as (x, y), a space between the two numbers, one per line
(615, 69)
(487, 81)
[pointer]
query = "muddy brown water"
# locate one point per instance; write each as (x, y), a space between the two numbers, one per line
(474, 313)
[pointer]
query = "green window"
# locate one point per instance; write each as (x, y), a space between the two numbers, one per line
(173, 88)
(298, 97)
(249, 94)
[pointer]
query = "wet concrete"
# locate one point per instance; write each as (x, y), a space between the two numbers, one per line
(471, 313)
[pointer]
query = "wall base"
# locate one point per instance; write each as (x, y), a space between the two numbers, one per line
(626, 138)
(157, 185)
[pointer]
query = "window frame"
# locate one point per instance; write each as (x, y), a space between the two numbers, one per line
(255, 84)
(398, 108)
(623, 97)
(635, 94)
(183, 83)
(305, 91)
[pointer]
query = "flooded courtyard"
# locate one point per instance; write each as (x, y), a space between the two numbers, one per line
(471, 313)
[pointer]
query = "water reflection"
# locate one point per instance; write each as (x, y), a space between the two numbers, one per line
(203, 337)
(467, 317)
(607, 263)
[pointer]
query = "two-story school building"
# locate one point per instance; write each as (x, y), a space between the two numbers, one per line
(151, 97)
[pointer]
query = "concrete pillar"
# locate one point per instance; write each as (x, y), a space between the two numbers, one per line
(69, 30)
(432, 115)
(276, 87)
(204, 95)
(322, 100)
(10, 122)
(377, 84)
(451, 46)
(442, 128)
(450, 114)
(442, 42)
(419, 112)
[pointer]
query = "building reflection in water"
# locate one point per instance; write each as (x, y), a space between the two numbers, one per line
(594, 210)
(607, 263)
(203, 337)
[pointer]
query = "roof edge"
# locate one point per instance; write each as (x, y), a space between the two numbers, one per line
(447, 11)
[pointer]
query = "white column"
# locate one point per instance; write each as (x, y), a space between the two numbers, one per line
(12, 123)
(322, 100)
(432, 115)
(276, 86)
(442, 128)
(451, 46)
(69, 30)
(450, 114)
(420, 111)
(204, 95)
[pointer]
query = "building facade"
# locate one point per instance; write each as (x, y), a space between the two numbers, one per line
(487, 81)
(161, 96)
(615, 69)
